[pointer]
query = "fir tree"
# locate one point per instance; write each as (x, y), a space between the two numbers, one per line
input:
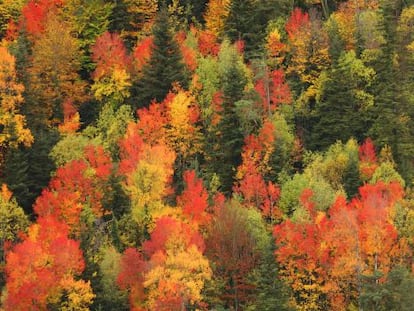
(164, 68)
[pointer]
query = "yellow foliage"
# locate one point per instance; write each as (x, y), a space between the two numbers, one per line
(148, 184)
(53, 73)
(14, 130)
(143, 13)
(115, 87)
(183, 270)
(79, 295)
(216, 14)
(183, 136)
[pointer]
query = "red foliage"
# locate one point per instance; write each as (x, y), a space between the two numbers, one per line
(239, 45)
(189, 57)
(131, 276)
(75, 184)
(276, 92)
(35, 14)
(109, 53)
(142, 53)
(356, 238)
(368, 159)
(298, 20)
(170, 229)
(367, 151)
(35, 267)
(194, 199)
(131, 148)
(208, 43)
(152, 120)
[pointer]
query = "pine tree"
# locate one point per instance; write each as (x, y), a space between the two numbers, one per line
(164, 68)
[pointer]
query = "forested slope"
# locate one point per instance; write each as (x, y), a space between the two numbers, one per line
(207, 155)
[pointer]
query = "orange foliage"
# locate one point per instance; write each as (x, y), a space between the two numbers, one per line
(35, 14)
(208, 43)
(142, 53)
(38, 268)
(332, 252)
(194, 200)
(75, 184)
(109, 54)
(273, 92)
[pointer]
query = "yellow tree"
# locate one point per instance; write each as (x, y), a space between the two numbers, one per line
(178, 269)
(54, 69)
(216, 14)
(183, 134)
(148, 172)
(13, 131)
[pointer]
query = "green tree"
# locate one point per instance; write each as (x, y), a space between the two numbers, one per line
(89, 19)
(341, 109)
(164, 68)
(233, 79)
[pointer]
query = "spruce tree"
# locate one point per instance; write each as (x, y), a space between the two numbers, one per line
(393, 113)
(164, 68)
(341, 110)
(230, 140)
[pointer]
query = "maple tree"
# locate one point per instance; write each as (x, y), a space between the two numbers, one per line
(112, 72)
(309, 49)
(43, 266)
(368, 159)
(182, 132)
(175, 272)
(76, 184)
(148, 171)
(35, 14)
(142, 53)
(273, 90)
(194, 200)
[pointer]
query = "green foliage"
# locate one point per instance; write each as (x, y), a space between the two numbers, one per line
(90, 19)
(394, 294)
(341, 108)
(110, 127)
(27, 170)
(70, 147)
(110, 297)
(233, 81)
(164, 68)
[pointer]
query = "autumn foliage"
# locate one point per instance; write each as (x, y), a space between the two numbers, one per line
(43, 266)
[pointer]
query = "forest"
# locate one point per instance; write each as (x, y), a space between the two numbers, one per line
(207, 155)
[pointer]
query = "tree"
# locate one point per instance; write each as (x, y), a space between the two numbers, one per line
(13, 130)
(232, 248)
(35, 14)
(225, 155)
(112, 73)
(194, 200)
(53, 72)
(164, 68)
(41, 269)
(215, 16)
(175, 272)
(340, 117)
(77, 184)
(89, 20)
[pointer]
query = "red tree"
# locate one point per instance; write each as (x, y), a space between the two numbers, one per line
(39, 268)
